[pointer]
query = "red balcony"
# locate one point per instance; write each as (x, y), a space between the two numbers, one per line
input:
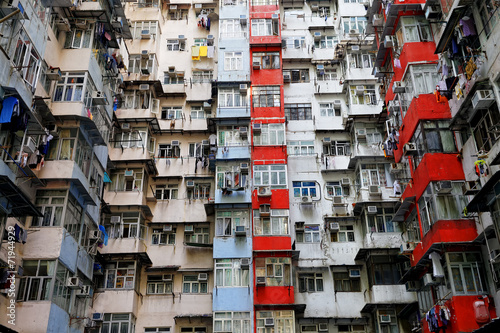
(274, 295)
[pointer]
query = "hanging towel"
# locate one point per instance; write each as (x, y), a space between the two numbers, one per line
(10, 106)
(210, 51)
(101, 227)
(437, 268)
(195, 52)
(397, 63)
(203, 51)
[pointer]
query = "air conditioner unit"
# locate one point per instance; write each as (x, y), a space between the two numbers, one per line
(412, 286)
(256, 65)
(345, 181)
(244, 168)
(243, 89)
(29, 145)
(384, 319)
(378, 20)
(189, 228)
(173, 7)
(243, 130)
(125, 126)
(323, 327)
(371, 209)
(320, 67)
(198, 6)
(74, 283)
(95, 234)
(275, 16)
(299, 225)
(427, 280)
(407, 247)
(334, 226)
(144, 87)
(98, 316)
(167, 277)
(483, 99)
(354, 32)
(361, 133)
(115, 219)
(129, 174)
(145, 34)
(210, 37)
(306, 199)
(470, 187)
(286, 76)
(181, 37)
(354, 273)
(190, 183)
(256, 128)
(354, 47)
(54, 74)
(398, 87)
(145, 54)
(89, 323)
(269, 322)
(264, 191)
(444, 186)
(98, 98)
(86, 291)
(243, 20)
(388, 42)
(175, 143)
(240, 230)
(145, 71)
(167, 227)
(374, 190)
(432, 12)
(261, 281)
(360, 90)
(410, 149)
(337, 104)
(314, 7)
(245, 263)
(338, 200)
(317, 35)
(327, 140)
(202, 277)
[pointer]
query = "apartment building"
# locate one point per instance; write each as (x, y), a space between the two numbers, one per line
(249, 166)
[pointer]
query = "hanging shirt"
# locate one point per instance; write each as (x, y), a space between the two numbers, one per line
(10, 107)
(468, 26)
(437, 268)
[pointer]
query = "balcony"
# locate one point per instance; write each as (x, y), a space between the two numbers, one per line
(129, 154)
(327, 87)
(333, 163)
(391, 294)
(265, 40)
(117, 301)
(125, 198)
(230, 196)
(124, 245)
(233, 153)
(236, 112)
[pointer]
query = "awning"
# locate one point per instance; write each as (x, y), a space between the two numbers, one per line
(293, 253)
(193, 316)
(445, 39)
(486, 196)
(370, 307)
(403, 209)
(162, 268)
(142, 257)
(298, 308)
(195, 270)
(14, 201)
(363, 253)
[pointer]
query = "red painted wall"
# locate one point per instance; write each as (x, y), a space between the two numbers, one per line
(274, 295)
(462, 315)
(445, 231)
(423, 107)
(271, 243)
(270, 153)
(279, 199)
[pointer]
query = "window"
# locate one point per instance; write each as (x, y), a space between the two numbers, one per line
(298, 111)
(120, 275)
(51, 204)
(343, 283)
(343, 235)
(118, 322)
(356, 22)
(200, 42)
(157, 330)
(166, 192)
(267, 60)
(303, 148)
(329, 110)
(465, 272)
(337, 148)
(328, 74)
(231, 97)
(321, 11)
(127, 180)
(156, 285)
(200, 235)
(326, 42)
(231, 29)
(364, 94)
(271, 134)
(191, 285)
(179, 14)
(361, 60)
(130, 225)
(197, 112)
(391, 326)
(265, 27)
(200, 191)
(230, 136)
(160, 237)
(230, 178)
(489, 15)
(283, 321)
(227, 221)
(171, 112)
(70, 88)
(232, 322)
(305, 189)
(136, 99)
(149, 4)
(372, 174)
(199, 149)
(434, 137)
(274, 175)
(79, 39)
(295, 42)
(136, 138)
(382, 220)
(228, 273)
(414, 29)
(276, 224)
(195, 329)
(168, 78)
(233, 61)
(310, 234)
(276, 270)
(422, 79)
(264, 2)
(139, 64)
(140, 28)
(484, 127)
(299, 75)
(202, 76)
(176, 45)
(266, 96)
(310, 282)
(383, 270)
(233, 2)
(334, 189)
(26, 60)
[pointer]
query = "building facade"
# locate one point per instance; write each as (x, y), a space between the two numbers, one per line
(249, 166)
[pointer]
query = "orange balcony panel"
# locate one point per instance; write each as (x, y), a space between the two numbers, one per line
(445, 231)
(274, 295)
(272, 243)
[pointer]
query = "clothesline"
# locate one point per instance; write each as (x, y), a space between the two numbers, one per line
(438, 301)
